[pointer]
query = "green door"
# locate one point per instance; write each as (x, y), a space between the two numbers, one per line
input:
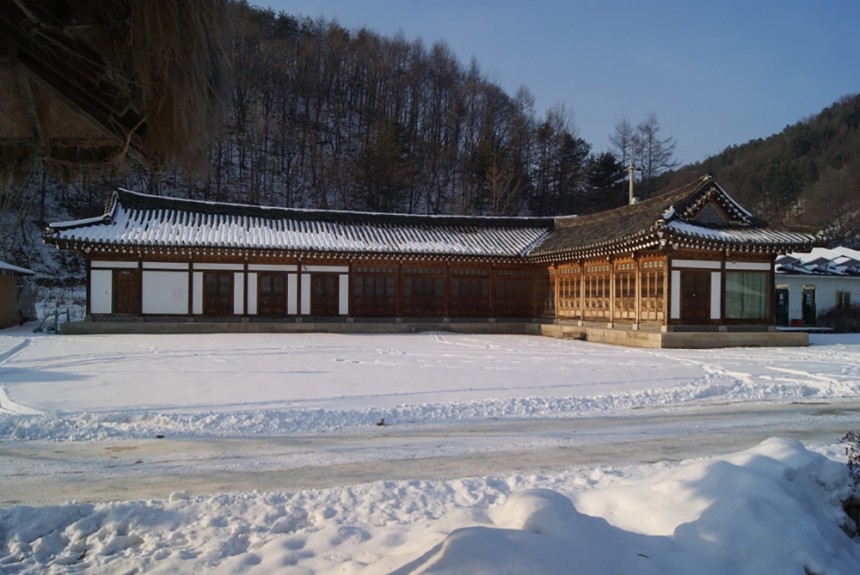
(809, 305)
(781, 307)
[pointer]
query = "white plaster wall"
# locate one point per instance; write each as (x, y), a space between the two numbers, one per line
(292, 293)
(252, 293)
(675, 291)
(239, 293)
(164, 292)
(111, 264)
(306, 294)
(101, 291)
(716, 294)
(697, 264)
(825, 291)
(343, 294)
(197, 294)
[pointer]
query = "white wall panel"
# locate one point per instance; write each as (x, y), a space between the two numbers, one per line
(252, 294)
(110, 264)
(221, 267)
(197, 295)
(306, 294)
(272, 268)
(101, 291)
(292, 293)
(675, 308)
(701, 264)
(239, 293)
(165, 266)
(343, 294)
(716, 294)
(331, 269)
(165, 292)
(748, 266)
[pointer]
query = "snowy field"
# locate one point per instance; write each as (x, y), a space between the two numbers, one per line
(261, 453)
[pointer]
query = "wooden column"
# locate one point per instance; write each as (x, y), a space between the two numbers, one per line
(638, 287)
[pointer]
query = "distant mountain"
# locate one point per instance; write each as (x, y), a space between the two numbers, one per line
(808, 174)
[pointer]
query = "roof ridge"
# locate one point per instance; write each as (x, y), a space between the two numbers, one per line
(129, 197)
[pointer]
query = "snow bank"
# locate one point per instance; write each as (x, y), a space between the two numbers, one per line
(771, 509)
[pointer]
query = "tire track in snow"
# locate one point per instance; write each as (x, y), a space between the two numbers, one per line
(6, 404)
(14, 350)
(9, 407)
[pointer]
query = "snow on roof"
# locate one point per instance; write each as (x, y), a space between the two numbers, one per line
(838, 261)
(141, 220)
(739, 235)
(670, 218)
(15, 269)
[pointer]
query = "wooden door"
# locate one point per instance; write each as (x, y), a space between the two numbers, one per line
(218, 293)
(272, 293)
(325, 296)
(696, 296)
(423, 296)
(808, 305)
(126, 292)
(781, 306)
(470, 296)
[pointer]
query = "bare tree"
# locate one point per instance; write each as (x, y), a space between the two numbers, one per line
(622, 138)
(651, 154)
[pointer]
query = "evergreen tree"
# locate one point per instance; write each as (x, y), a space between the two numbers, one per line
(606, 183)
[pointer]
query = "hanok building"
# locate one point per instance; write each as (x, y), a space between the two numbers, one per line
(13, 284)
(690, 268)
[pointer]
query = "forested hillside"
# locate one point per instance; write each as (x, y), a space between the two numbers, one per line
(807, 174)
(331, 118)
(323, 117)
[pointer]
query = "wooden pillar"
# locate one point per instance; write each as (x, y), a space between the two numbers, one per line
(299, 274)
(139, 310)
(446, 291)
(491, 284)
(190, 285)
(637, 286)
(771, 293)
(245, 290)
(612, 286)
(398, 289)
(89, 286)
(667, 293)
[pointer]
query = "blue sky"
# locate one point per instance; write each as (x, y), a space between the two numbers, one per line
(715, 73)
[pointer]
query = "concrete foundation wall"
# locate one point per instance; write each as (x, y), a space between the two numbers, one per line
(629, 338)
(159, 327)
(677, 340)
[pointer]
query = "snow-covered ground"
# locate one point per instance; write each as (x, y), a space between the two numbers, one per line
(482, 426)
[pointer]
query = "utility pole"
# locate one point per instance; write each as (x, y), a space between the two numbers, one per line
(631, 199)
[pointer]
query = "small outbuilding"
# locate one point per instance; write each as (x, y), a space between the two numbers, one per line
(811, 283)
(15, 307)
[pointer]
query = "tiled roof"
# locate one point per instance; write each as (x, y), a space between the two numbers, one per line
(672, 218)
(134, 219)
(700, 215)
(839, 261)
